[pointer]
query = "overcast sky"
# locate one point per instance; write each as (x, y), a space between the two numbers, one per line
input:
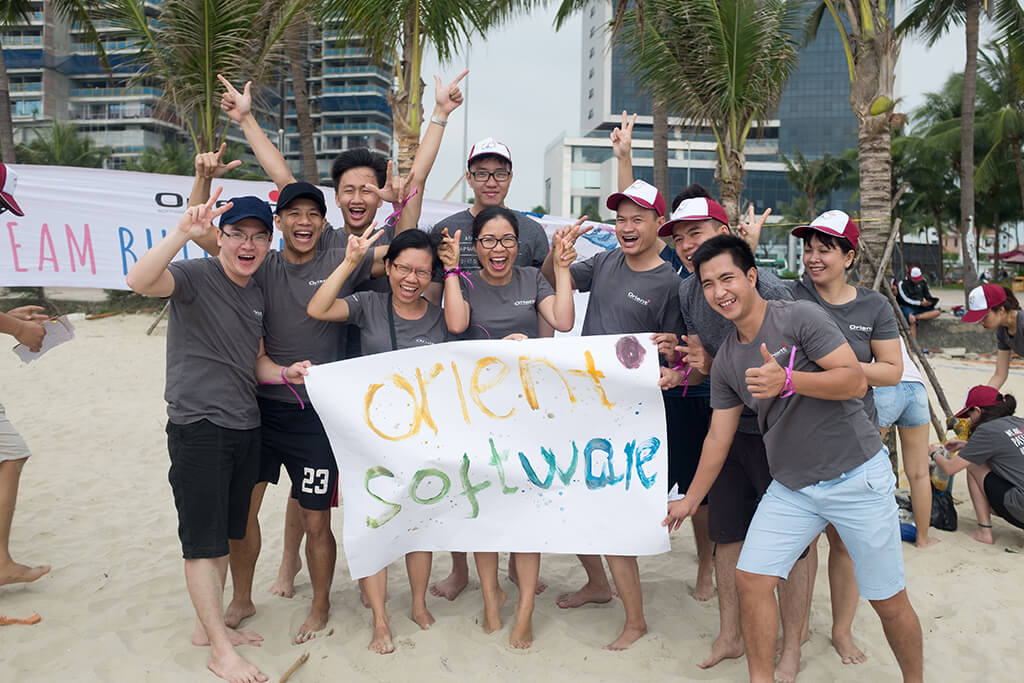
(524, 89)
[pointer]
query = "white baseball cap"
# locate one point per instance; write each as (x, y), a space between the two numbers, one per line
(640, 193)
(694, 209)
(489, 146)
(836, 223)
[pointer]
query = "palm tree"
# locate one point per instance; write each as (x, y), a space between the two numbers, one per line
(814, 178)
(871, 49)
(192, 41)
(1003, 69)
(404, 28)
(721, 63)
(932, 18)
(15, 12)
(296, 39)
(61, 145)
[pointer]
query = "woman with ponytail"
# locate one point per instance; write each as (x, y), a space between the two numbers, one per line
(998, 310)
(993, 456)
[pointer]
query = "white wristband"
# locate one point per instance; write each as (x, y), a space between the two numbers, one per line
(434, 119)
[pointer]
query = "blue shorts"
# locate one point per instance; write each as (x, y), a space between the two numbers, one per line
(910, 309)
(903, 405)
(861, 506)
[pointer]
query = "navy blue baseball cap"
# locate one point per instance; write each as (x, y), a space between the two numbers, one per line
(248, 207)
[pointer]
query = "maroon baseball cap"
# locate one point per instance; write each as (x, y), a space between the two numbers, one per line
(8, 183)
(694, 209)
(981, 300)
(980, 396)
(835, 222)
(640, 193)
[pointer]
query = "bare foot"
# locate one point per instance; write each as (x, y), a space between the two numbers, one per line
(541, 585)
(522, 633)
(316, 621)
(583, 596)
(492, 612)
(925, 541)
(237, 612)
(242, 636)
(380, 642)
(848, 651)
(628, 636)
(788, 666)
(983, 535)
(19, 573)
(451, 586)
(705, 588)
(231, 667)
(423, 618)
(723, 648)
(284, 584)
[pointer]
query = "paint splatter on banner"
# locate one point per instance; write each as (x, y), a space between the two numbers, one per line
(543, 445)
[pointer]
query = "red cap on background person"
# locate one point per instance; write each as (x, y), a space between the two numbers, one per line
(916, 275)
(694, 209)
(836, 223)
(980, 396)
(8, 183)
(981, 300)
(640, 193)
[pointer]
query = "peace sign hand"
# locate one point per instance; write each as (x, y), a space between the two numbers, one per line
(358, 245)
(448, 250)
(448, 97)
(563, 250)
(749, 228)
(395, 186)
(211, 164)
(198, 220)
(622, 137)
(767, 380)
(237, 105)
(572, 233)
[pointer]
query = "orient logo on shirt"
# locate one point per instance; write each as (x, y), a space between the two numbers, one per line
(316, 283)
(524, 302)
(861, 328)
(422, 341)
(258, 314)
(638, 299)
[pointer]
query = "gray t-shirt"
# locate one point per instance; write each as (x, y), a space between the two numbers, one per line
(1004, 342)
(213, 338)
(369, 312)
(867, 317)
(496, 312)
(713, 328)
(999, 444)
(533, 241)
(623, 300)
(808, 440)
(289, 334)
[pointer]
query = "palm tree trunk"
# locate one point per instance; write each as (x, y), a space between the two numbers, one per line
(6, 126)
(1018, 164)
(942, 261)
(659, 113)
(730, 182)
(407, 104)
(995, 244)
(295, 42)
(971, 13)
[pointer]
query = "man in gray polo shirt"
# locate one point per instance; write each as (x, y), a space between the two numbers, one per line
(215, 358)
(790, 363)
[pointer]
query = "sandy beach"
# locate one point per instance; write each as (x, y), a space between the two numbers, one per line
(95, 503)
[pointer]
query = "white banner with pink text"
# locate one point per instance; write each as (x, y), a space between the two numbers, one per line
(542, 445)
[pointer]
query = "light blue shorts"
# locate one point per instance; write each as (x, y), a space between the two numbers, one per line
(12, 446)
(903, 405)
(861, 506)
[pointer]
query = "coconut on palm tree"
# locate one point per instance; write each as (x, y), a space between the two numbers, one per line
(932, 18)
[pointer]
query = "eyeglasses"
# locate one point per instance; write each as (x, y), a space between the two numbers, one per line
(500, 175)
(490, 242)
(260, 239)
(404, 270)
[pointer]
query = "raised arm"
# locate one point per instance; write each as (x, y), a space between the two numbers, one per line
(622, 147)
(238, 106)
(150, 276)
(209, 165)
(325, 304)
(560, 310)
(570, 233)
(456, 308)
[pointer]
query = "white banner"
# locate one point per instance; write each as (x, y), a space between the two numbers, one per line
(85, 227)
(543, 445)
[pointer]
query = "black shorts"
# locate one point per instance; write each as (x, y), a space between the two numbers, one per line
(213, 471)
(295, 438)
(737, 491)
(687, 419)
(996, 489)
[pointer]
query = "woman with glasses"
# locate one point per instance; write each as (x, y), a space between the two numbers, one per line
(504, 301)
(389, 321)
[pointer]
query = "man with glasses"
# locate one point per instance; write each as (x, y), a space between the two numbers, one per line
(215, 358)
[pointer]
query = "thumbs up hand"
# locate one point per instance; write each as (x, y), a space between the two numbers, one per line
(767, 380)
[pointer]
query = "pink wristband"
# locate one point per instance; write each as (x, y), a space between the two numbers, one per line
(459, 272)
(284, 381)
(686, 373)
(787, 388)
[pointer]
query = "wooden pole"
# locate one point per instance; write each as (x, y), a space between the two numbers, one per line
(887, 255)
(163, 312)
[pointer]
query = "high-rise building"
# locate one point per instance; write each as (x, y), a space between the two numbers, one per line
(55, 75)
(813, 117)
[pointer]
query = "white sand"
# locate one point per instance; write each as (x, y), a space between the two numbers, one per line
(95, 503)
